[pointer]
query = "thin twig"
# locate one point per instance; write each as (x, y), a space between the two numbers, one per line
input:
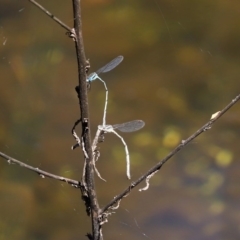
(183, 143)
(51, 15)
(41, 173)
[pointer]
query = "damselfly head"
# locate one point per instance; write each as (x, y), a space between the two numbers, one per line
(91, 77)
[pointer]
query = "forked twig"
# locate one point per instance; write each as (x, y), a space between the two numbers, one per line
(88, 189)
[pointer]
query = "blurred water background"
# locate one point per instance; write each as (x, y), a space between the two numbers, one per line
(181, 65)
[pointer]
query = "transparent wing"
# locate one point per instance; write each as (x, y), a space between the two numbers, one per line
(111, 65)
(129, 126)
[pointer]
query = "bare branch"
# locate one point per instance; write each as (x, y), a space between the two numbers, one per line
(41, 173)
(87, 185)
(51, 15)
(183, 143)
(86, 139)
